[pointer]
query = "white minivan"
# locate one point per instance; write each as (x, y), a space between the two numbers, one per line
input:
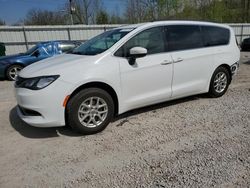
(127, 68)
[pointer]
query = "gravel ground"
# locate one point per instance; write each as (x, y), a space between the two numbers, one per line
(192, 142)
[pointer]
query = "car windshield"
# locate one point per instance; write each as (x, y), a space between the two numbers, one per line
(101, 42)
(31, 50)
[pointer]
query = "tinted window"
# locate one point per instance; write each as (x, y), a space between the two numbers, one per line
(151, 39)
(214, 36)
(183, 37)
(41, 52)
(31, 50)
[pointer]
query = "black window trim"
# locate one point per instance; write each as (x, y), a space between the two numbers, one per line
(188, 48)
(165, 26)
(229, 38)
(202, 34)
(138, 32)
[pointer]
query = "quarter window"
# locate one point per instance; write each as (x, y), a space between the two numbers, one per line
(215, 36)
(151, 39)
(184, 37)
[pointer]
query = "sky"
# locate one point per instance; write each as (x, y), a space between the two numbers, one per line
(11, 11)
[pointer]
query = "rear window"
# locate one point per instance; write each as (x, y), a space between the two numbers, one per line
(184, 37)
(215, 36)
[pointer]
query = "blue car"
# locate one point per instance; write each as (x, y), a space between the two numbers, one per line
(10, 65)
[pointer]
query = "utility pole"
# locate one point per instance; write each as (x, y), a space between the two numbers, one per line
(72, 9)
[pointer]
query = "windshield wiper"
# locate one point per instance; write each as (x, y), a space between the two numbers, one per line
(80, 53)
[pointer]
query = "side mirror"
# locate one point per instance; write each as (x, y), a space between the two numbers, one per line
(136, 52)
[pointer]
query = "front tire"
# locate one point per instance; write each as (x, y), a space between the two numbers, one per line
(90, 111)
(13, 71)
(219, 82)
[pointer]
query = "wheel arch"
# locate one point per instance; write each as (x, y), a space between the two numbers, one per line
(12, 64)
(101, 85)
(229, 70)
(222, 65)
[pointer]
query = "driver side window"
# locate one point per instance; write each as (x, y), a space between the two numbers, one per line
(40, 52)
(49, 49)
(152, 39)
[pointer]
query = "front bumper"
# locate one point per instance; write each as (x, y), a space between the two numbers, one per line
(43, 108)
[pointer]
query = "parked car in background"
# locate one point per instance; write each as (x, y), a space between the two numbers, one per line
(245, 45)
(2, 49)
(11, 65)
(127, 68)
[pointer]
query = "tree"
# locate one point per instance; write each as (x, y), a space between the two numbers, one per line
(167, 8)
(136, 11)
(2, 22)
(215, 10)
(102, 17)
(44, 17)
(150, 10)
(115, 19)
(245, 6)
(86, 11)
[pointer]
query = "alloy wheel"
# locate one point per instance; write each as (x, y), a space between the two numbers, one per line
(13, 73)
(92, 112)
(220, 82)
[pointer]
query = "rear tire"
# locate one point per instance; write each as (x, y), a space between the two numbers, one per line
(219, 82)
(13, 71)
(90, 111)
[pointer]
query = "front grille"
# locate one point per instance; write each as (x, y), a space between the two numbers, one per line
(28, 112)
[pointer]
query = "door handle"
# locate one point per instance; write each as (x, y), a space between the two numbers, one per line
(178, 60)
(166, 62)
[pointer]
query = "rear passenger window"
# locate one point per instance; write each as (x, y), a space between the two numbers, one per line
(184, 37)
(215, 36)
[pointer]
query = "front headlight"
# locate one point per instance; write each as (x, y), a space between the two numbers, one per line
(35, 83)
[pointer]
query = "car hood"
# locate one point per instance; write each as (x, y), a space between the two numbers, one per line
(10, 58)
(57, 65)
